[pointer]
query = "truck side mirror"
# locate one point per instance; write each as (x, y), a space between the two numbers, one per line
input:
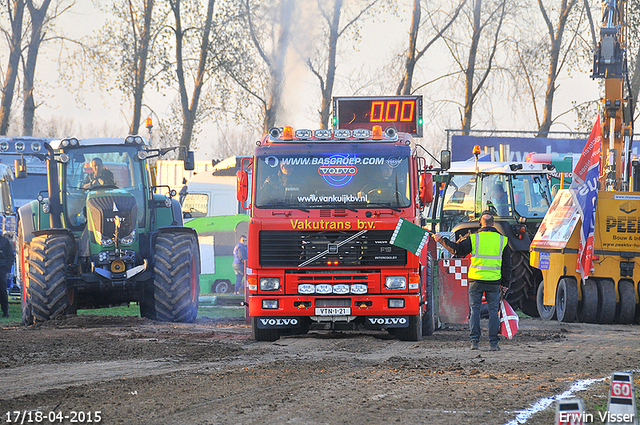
(445, 159)
(21, 168)
(242, 186)
(189, 161)
(426, 188)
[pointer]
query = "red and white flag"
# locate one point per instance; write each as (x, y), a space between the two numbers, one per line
(508, 320)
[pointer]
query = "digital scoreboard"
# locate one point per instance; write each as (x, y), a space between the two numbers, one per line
(404, 113)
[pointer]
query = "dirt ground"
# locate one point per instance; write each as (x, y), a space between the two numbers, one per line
(136, 371)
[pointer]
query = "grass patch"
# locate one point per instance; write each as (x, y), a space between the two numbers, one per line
(213, 312)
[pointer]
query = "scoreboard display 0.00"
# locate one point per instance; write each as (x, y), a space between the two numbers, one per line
(404, 113)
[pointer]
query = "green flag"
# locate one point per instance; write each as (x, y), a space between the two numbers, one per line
(409, 236)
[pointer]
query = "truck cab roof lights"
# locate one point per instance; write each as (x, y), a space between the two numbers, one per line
(342, 134)
(322, 134)
(287, 133)
(36, 146)
(303, 134)
(377, 132)
(4, 146)
(275, 133)
(72, 141)
(391, 133)
(134, 140)
(362, 133)
(19, 146)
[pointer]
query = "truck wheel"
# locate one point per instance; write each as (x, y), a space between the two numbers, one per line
(411, 333)
(263, 334)
(177, 279)
(429, 315)
(626, 307)
(588, 307)
(221, 286)
(547, 312)
(45, 279)
(567, 300)
(524, 284)
(606, 301)
(636, 320)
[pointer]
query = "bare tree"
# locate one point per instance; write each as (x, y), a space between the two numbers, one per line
(555, 41)
(38, 20)
(331, 14)
(486, 24)
(414, 54)
(140, 55)
(15, 11)
(189, 107)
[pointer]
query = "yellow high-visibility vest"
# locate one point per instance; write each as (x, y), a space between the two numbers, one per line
(486, 255)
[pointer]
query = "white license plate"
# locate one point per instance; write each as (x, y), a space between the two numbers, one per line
(333, 311)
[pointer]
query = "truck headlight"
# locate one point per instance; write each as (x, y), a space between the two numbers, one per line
(306, 288)
(269, 283)
(359, 288)
(270, 304)
(396, 282)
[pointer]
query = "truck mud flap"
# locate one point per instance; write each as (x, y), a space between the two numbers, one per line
(278, 322)
(386, 322)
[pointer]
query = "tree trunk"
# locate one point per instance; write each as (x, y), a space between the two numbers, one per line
(404, 87)
(327, 90)
(469, 95)
(552, 74)
(38, 16)
(140, 64)
(16, 13)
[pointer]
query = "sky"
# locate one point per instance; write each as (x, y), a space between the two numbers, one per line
(107, 109)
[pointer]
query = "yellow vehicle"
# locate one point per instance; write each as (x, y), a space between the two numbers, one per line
(609, 291)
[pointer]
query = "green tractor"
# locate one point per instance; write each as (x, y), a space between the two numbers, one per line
(103, 237)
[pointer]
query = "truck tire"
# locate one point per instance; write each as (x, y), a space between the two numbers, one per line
(221, 286)
(45, 279)
(588, 307)
(546, 312)
(636, 320)
(626, 306)
(429, 318)
(263, 334)
(176, 285)
(567, 300)
(411, 333)
(524, 284)
(606, 301)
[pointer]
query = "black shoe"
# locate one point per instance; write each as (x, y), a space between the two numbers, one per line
(5, 314)
(494, 348)
(474, 345)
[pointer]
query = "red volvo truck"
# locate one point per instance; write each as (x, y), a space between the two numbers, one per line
(324, 206)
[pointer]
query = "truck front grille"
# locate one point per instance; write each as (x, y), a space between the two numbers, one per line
(295, 248)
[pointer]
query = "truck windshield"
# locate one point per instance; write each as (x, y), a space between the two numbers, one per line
(25, 190)
(124, 172)
(329, 180)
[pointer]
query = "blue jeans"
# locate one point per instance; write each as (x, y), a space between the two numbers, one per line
(492, 294)
(239, 271)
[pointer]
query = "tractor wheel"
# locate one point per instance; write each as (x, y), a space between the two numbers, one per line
(547, 312)
(626, 307)
(147, 301)
(22, 277)
(567, 300)
(524, 284)
(411, 333)
(606, 301)
(263, 334)
(45, 283)
(177, 277)
(588, 307)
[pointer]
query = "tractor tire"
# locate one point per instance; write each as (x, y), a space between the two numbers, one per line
(525, 279)
(626, 306)
(22, 277)
(546, 312)
(567, 300)
(606, 301)
(588, 307)
(263, 334)
(147, 301)
(45, 283)
(176, 285)
(411, 333)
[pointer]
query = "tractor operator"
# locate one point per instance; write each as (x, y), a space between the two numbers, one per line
(99, 177)
(489, 273)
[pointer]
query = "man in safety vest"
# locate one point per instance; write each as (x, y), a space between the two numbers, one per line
(489, 273)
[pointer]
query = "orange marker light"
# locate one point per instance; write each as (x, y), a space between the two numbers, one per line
(287, 133)
(376, 132)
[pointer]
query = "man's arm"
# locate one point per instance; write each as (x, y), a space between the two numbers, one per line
(459, 249)
(505, 270)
